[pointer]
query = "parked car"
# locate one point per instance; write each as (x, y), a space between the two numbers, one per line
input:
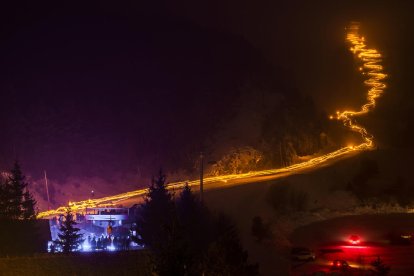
(302, 254)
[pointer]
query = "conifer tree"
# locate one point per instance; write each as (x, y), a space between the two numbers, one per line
(159, 230)
(156, 213)
(16, 187)
(194, 220)
(69, 236)
(28, 206)
(225, 255)
(19, 233)
(16, 201)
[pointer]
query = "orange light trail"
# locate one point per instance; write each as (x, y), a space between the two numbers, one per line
(372, 68)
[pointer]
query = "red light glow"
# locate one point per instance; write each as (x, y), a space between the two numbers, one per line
(354, 246)
(354, 240)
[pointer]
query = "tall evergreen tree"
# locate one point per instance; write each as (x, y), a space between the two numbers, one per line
(17, 185)
(28, 206)
(225, 255)
(16, 201)
(69, 236)
(19, 233)
(159, 230)
(195, 223)
(156, 214)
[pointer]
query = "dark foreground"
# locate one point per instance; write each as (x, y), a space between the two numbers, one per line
(102, 263)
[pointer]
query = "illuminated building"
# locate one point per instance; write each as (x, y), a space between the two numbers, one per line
(108, 223)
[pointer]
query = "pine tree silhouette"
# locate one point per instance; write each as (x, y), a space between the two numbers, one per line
(16, 201)
(69, 236)
(158, 227)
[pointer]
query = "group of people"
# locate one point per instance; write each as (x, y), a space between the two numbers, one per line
(108, 242)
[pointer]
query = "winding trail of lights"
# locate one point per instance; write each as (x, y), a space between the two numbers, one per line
(371, 68)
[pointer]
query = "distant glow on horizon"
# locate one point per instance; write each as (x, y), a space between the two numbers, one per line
(371, 68)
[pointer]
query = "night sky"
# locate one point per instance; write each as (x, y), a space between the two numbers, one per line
(103, 94)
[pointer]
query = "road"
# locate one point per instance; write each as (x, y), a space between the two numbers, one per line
(216, 182)
(242, 179)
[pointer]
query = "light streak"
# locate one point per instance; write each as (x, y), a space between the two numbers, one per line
(371, 68)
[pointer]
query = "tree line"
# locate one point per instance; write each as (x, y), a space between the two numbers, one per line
(185, 238)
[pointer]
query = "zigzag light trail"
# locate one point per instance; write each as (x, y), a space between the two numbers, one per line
(373, 71)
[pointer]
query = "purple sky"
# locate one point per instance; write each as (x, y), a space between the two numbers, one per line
(110, 92)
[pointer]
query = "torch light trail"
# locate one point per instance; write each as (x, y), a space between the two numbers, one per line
(371, 68)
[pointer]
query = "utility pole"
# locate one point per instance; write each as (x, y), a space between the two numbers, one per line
(201, 175)
(47, 192)
(282, 161)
